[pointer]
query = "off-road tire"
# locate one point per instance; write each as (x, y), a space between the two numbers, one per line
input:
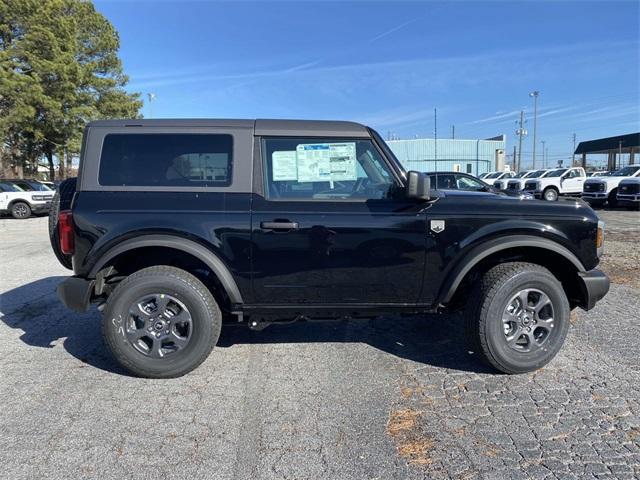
(20, 210)
(61, 201)
(484, 310)
(551, 193)
(205, 315)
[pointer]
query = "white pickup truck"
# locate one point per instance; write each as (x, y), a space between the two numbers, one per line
(561, 181)
(629, 192)
(598, 190)
(21, 204)
(517, 183)
(499, 179)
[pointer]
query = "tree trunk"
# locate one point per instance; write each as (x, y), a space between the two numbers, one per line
(52, 169)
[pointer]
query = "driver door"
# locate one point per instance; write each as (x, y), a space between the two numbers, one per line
(330, 225)
(573, 181)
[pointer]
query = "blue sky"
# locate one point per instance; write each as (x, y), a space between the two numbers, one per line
(388, 64)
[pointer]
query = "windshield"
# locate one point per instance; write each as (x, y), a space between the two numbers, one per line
(626, 171)
(494, 175)
(521, 175)
(388, 152)
(536, 174)
(558, 173)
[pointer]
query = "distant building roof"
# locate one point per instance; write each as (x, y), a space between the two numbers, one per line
(605, 145)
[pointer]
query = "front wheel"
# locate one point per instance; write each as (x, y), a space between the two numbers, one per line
(161, 322)
(517, 317)
(20, 210)
(550, 195)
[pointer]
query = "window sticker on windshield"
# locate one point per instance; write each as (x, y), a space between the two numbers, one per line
(322, 162)
(284, 166)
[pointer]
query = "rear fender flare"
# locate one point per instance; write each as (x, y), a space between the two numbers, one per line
(216, 265)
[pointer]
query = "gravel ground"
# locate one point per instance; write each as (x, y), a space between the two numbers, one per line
(392, 398)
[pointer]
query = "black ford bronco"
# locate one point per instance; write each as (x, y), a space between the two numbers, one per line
(176, 227)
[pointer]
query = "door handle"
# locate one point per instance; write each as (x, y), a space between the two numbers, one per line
(279, 225)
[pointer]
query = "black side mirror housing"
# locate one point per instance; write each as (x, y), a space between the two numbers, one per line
(418, 186)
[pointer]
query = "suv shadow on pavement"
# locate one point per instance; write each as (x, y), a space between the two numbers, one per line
(433, 340)
(35, 309)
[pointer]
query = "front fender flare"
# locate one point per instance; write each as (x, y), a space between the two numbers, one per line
(188, 246)
(484, 249)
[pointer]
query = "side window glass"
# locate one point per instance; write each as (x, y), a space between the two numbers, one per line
(325, 169)
(466, 183)
(159, 160)
(445, 182)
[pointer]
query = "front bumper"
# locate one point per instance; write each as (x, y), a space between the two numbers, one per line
(594, 286)
(40, 207)
(75, 293)
(630, 198)
(594, 197)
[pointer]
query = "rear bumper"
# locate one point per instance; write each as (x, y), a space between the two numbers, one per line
(595, 285)
(75, 293)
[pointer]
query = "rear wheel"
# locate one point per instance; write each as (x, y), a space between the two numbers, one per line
(61, 201)
(517, 317)
(161, 322)
(20, 210)
(550, 194)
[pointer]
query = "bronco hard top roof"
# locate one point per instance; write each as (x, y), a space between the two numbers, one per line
(260, 126)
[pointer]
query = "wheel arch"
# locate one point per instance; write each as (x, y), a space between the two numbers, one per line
(179, 244)
(560, 260)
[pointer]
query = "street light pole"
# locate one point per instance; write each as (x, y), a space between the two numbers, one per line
(152, 97)
(544, 159)
(521, 132)
(535, 94)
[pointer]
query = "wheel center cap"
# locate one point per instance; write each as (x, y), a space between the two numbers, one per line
(526, 320)
(159, 325)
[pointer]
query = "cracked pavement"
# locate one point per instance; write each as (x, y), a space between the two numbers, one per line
(390, 398)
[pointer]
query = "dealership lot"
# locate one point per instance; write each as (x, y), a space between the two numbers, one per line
(386, 398)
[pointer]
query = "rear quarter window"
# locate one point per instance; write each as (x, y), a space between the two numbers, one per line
(166, 160)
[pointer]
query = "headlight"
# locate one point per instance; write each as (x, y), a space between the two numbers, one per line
(39, 198)
(600, 239)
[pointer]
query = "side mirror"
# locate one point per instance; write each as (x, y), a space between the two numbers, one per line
(418, 186)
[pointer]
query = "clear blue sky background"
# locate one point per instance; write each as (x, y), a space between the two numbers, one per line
(388, 64)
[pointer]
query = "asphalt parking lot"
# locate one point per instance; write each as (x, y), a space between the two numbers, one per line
(392, 398)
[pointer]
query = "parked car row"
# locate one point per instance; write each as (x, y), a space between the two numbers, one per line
(620, 187)
(23, 197)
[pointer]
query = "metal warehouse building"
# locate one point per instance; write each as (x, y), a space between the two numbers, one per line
(470, 156)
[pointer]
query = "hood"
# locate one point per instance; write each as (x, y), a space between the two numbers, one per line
(486, 195)
(628, 180)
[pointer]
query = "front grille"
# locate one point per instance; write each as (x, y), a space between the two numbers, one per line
(629, 188)
(498, 184)
(594, 187)
(530, 186)
(513, 185)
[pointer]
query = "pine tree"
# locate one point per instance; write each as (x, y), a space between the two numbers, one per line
(59, 68)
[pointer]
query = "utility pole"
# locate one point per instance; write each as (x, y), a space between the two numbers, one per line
(534, 94)
(515, 161)
(521, 132)
(573, 154)
(544, 159)
(453, 131)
